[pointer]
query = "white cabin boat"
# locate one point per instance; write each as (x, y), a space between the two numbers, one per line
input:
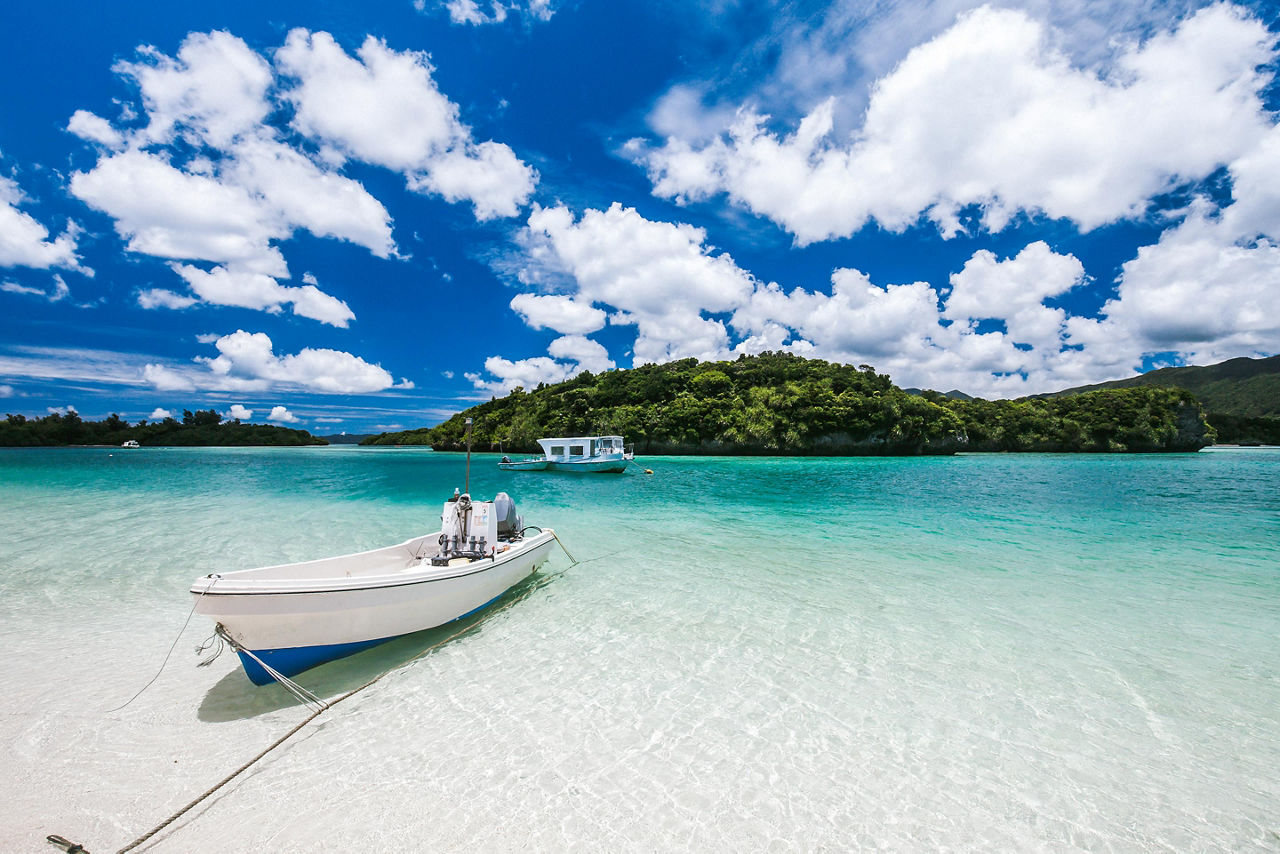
(294, 616)
(131, 443)
(586, 453)
(577, 453)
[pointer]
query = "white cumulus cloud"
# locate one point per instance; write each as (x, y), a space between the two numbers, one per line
(588, 355)
(569, 355)
(95, 128)
(239, 412)
(659, 276)
(1014, 291)
(561, 313)
(165, 378)
(1209, 288)
(923, 338)
(159, 414)
(208, 180)
(281, 415)
(1196, 294)
(248, 360)
(993, 331)
(302, 193)
(213, 91)
(383, 107)
(167, 212)
(24, 242)
(220, 286)
(990, 113)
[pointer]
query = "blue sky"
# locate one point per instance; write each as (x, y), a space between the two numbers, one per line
(346, 218)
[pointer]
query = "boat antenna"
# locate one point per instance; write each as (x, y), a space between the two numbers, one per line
(467, 482)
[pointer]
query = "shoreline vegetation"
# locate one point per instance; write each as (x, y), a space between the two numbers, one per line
(783, 404)
(202, 428)
(778, 404)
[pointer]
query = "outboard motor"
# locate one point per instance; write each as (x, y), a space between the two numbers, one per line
(467, 530)
(509, 522)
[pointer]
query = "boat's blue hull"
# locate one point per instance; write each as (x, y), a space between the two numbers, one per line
(293, 660)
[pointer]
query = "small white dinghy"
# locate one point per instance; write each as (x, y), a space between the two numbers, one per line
(295, 616)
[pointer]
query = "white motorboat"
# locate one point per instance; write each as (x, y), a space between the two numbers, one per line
(578, 453)
(291, 617)
(131, 443)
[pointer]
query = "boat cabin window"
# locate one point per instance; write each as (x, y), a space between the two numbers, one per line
(577, 451)
(557, 450)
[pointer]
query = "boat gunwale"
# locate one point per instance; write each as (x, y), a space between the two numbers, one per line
(322, 585)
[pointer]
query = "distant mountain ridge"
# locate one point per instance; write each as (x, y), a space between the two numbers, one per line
(1241, 387)
(346, 438)
(954, 394)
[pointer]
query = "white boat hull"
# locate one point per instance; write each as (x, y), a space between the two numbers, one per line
(299, 615)
(524, 465)
(613, 465)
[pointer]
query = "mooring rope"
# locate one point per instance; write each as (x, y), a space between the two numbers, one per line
(206, 645)
(215, 578)
(323, 706)
(566, 551)
(300, 693)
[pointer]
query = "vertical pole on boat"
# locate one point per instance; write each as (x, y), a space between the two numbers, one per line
(467, 483)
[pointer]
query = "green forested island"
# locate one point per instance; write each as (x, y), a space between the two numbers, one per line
(1241, 396)
(199, 428)
(780, 403)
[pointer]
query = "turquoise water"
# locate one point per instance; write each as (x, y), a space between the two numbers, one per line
(984, 652)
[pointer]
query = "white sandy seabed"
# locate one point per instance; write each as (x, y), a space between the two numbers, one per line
(702, 686)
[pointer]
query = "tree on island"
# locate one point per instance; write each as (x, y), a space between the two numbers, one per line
(202, 418)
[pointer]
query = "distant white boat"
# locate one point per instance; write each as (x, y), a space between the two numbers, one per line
(294, 616)
(131, 443)
(576, 453)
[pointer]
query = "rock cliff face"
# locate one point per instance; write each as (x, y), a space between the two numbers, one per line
(1194, 432)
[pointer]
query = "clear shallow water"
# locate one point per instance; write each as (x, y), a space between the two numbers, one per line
(1029, 652)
